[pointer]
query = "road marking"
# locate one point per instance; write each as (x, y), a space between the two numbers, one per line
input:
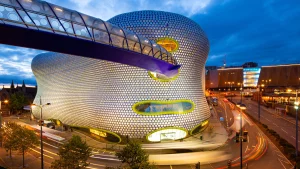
(246, 149)
(98, 165)
(91, 168)
(46, 150)
(40, 153)
(275, 124)
(248, 139)
(50, 145)
(281, 164)
(293, 137)
(284, 131)
(171, 167)
(280, 155)
(268, 120)
(262, 116)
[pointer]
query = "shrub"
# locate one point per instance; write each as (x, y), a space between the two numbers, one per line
(265, 126)
(282, 142)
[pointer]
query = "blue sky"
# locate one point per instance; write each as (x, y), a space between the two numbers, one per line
(263, 31)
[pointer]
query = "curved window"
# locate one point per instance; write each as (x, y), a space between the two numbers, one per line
(100, 134)
(166, 134)
(154, 107)
(200, 127)
(170, 44)
(162, 77)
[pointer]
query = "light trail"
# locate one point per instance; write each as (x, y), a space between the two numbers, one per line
(40, 153)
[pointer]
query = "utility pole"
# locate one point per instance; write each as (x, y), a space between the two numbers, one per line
(241, 137)
(296, 107)
(41, 123)
(241, 92)
(42, 151)
(258, 101)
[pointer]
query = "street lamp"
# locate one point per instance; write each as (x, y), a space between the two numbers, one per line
(242, 107)
(41, 124)
(5, 101)
(258, 100)
(241, 90)
(296, 107)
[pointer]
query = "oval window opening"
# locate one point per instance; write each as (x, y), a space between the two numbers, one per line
(167, 134)
(162, 77)
(153, 107)
(200, 127)
(170, 44)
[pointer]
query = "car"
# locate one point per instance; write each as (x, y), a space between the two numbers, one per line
(215, 103)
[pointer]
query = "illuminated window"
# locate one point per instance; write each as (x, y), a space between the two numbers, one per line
(153, 107)
(162, 77)
(168, 133)
(170, 44)
(200, 127)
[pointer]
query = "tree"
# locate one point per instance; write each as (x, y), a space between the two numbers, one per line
(73, 154)
(26, 139)
(134, 156)
(9, 136)
(17, 101)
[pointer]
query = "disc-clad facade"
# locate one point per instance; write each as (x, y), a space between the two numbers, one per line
(126, 100)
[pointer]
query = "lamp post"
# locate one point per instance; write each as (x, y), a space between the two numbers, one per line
(241, 91)
(230, 90)
(296, 107)
(258, 100)
(242, 107)
(41, 124)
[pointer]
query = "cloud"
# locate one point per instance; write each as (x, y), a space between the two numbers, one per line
(266, 32)
(106, 9)
(264, 36)
(16, 61)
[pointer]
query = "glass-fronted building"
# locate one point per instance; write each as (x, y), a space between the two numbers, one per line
(250, 76)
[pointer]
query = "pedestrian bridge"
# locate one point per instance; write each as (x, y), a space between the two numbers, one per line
(41, 25)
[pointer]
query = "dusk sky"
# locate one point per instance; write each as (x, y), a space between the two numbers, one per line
(263, 31)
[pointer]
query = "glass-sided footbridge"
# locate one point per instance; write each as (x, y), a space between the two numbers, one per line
(41, 25)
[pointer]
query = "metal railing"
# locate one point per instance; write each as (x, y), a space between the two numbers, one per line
(43, 16)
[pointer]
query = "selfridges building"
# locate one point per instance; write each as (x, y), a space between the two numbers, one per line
(114, 101)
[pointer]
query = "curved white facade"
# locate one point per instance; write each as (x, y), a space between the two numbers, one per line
(100, 94)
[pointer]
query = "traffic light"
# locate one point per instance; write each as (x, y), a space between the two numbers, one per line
(245, 134)
(229, 164)
(197, 166)
(237, 137)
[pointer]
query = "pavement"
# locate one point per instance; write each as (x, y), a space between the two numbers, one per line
(211, 139)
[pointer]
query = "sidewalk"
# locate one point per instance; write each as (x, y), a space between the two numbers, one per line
(213, 138)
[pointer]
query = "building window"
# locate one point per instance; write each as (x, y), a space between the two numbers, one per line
(154, 107)
(168, 133)
(170, 44)
(162, 77)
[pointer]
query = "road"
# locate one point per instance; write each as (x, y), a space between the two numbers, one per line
(254, 150)
(284, 126)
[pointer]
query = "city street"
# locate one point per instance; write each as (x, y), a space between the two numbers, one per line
(258, 151)
(283, 125)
